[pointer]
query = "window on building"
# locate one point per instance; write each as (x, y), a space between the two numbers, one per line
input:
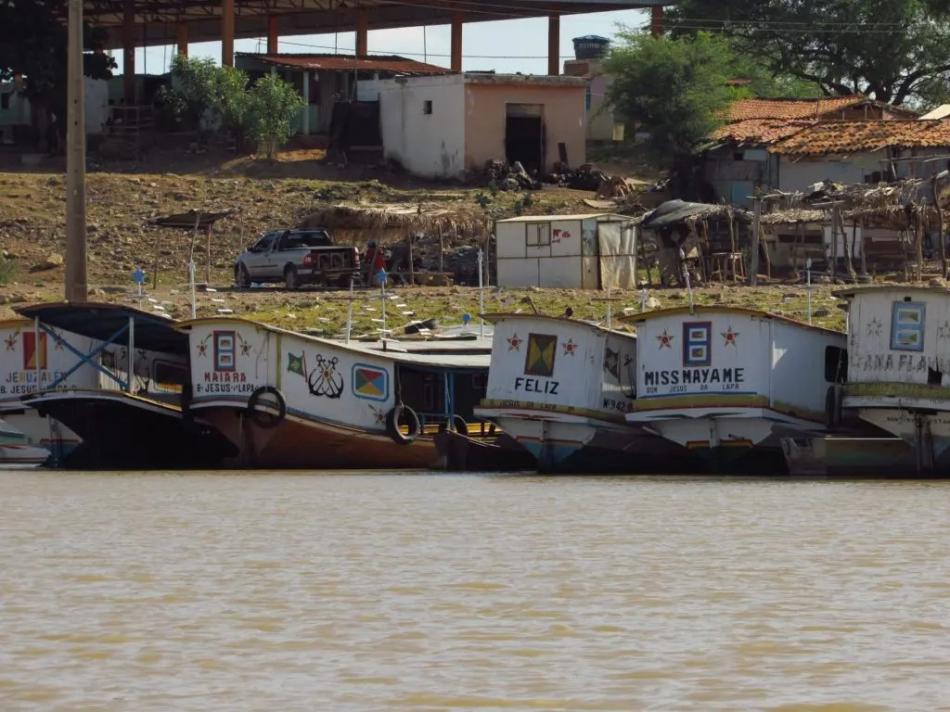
(538, 234)
(427, 107)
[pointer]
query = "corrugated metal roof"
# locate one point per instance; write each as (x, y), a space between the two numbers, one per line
(350, 63)
(853, 136)
(941, 112)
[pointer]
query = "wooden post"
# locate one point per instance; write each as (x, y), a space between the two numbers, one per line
(181, 37)
(227, 33)
(208, 254)
(273, 34)
(756, 238)
(457, 18)
(835, 210)
(77, 289)
(864, 248)
(554, 45)
(155, 270)
(919, 240)
(656, 20)
(362, 32)
(412, 273)
(128, 51)
(941, 239)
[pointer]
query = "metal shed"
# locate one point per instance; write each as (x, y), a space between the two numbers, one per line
(592, 251)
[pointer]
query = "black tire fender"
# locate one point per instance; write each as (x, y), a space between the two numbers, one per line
(393, 419)
(262, 417)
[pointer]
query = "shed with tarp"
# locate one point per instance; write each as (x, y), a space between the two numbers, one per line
(592, 251)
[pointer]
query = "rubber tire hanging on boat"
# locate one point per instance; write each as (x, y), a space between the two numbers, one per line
(392, 424)
(261, 417)
(456, 424)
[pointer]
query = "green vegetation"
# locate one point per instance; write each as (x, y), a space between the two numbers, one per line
(891, 50)
(7, 271)
(273, 103)
(205, 95)
(674, 88)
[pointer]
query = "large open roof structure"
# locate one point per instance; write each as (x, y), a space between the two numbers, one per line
(155, 21)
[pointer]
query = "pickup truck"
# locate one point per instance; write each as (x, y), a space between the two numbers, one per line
(297, 257)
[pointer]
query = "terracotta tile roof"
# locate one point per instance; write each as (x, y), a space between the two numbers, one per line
(790, 108)
(343, 62)
(759, 130)
(854, 136)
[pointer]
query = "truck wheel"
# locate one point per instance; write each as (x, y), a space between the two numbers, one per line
(343, 281)
(241, 277)
(290, 277)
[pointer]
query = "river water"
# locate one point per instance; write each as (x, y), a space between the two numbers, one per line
(434, 592)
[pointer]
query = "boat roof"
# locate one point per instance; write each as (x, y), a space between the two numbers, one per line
(502, 316)
(19, 323)
(875, 288)
(676, 311)
(153, 332)
(430, 360)
(604, 217)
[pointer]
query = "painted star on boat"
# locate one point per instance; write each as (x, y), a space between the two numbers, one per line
(665, 339)
(514, 343)
(874, 327)
(943, 332)
(570, 348)
(730, 336)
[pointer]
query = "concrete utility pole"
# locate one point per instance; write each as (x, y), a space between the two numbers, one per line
(77, 290)
(756, 239)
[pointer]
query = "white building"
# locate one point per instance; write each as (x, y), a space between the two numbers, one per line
(447, 126)
(595, 251)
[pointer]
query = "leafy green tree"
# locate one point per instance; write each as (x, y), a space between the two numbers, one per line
(890, 50)
(33, 45)
(676, 89)
(274, 105)
(194, 89)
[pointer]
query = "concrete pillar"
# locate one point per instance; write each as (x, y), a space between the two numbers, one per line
(656, 20)
(554, 45)
(77, 288)
(181, 37)
(128, 51)
(305, 125)
(362, 32)
(457, 18)
(227, 33)
(273, 34)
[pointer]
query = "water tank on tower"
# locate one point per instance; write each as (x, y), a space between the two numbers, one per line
(591, 47)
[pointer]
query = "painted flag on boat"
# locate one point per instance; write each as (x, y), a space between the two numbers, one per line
(31, 353)
(540, 360)
(295, 364)
(370, 383)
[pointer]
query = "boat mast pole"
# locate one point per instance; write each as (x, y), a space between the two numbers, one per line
(129, 385)
(36, 351)
(481, 293)
(77, 288)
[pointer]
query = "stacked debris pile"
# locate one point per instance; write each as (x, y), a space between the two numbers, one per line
(511, 176)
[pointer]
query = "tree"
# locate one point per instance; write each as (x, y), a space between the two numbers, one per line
(890, 50)
(273, 105)
(677, 89)
(33, 45)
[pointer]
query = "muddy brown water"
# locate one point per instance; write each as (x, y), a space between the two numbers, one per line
(146, 591)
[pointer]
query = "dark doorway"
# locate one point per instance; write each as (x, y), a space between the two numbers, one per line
(524, 136)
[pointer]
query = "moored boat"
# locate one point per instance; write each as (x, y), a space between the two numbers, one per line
(729, 383)
(128, 411)
(34, 357)
(561, 388)
(899, 369)
(286, 399)
(16, 452)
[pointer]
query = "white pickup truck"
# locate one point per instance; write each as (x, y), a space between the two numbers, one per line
(297, 257)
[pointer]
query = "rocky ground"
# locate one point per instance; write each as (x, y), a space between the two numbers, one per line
(123, 197)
